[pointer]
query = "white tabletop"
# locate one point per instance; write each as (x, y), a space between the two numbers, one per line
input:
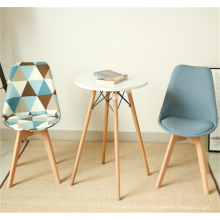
(134, 81)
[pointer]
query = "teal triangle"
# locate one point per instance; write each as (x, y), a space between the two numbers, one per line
(37, 123)
(24, 116)
(27, 70)
(41, 63)
(58, 113)
(36, 85)
(44, 90)
(37, 118)
(13, 71)
(38, 113)
(15, 65)
(29, 101)
(11, 123)
(13, 103)
(28, 124)
(12, 92)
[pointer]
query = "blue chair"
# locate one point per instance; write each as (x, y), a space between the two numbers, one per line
(189, 113)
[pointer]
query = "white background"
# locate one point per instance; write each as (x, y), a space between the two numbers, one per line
(148, 41)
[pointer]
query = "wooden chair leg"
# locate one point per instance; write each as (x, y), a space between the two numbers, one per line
(105, 128)
(202, 164)
(138, 131)
(116, 137)
(168, 154)
(50, 154)
(24, 134)
(205, 156)
(15, 155)
(89, 111)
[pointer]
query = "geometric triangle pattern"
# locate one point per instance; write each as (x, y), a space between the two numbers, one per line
(36, 85)
(44, 89)
(31, 101)
(32, 122)
(27, 70)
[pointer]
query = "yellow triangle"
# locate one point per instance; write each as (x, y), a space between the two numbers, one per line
(22, 126)
(52, 104)
(13, 120)
(19, 75)
(21, 107)
(48, 75)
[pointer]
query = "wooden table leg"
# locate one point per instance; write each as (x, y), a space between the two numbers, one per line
(89, 111)
(138, 130)
(116, 137)
(105, 127)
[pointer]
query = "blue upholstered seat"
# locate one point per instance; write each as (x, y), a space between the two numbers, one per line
(186, 127)
(189, 108)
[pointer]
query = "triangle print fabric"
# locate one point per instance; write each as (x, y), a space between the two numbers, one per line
(31, 100)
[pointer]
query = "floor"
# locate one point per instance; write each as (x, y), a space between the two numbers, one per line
(95, 190)
(6, 149)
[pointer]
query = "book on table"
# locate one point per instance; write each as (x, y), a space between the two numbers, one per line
(108, 75)
(111, 82)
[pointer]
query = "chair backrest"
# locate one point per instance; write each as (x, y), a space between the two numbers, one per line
(30, 90)
(190, 95)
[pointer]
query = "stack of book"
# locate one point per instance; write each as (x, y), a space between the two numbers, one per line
(109, 78)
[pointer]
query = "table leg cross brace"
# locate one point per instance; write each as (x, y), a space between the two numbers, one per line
(104, 97)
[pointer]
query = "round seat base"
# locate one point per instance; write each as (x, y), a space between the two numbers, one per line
(186, 127)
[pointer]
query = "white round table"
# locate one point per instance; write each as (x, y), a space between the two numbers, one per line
(134, 81)
(88, 81)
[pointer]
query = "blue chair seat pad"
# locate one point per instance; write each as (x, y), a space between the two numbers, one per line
(186, 127)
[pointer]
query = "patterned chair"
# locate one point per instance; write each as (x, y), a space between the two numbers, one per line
(31, 107)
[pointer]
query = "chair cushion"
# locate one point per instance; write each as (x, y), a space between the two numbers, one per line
(33, 122)
(186, 127)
